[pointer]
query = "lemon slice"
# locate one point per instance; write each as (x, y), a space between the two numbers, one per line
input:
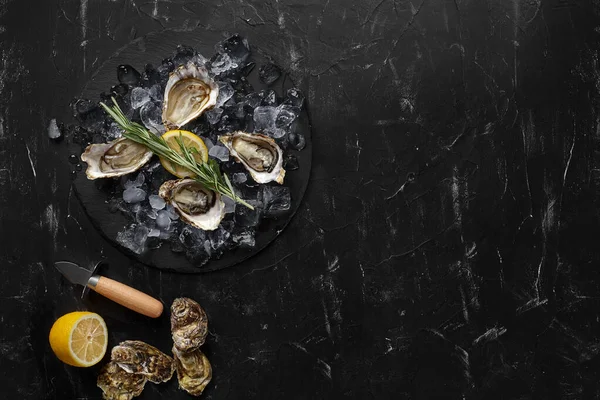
(189, 140)
(79, 338)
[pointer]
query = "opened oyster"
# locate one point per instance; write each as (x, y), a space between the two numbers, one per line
(137, 357)
(118, 384)
(116, 158)
(189, 92)
(194, 371)
(259, 154)
(189, 324)
(197, 205)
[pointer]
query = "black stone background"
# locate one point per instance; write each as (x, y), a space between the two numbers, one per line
(447, 245)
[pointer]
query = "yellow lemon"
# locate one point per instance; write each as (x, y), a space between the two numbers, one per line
(79, 338)
(190, 141)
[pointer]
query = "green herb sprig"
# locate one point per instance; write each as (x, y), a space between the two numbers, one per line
(207, 173)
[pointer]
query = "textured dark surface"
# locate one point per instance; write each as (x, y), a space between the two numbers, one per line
(447, 245)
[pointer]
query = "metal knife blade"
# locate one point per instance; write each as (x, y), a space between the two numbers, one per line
(73, 272)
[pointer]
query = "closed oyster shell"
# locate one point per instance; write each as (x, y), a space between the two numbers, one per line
(190, 91)
(118, 384)
(189, 324)
(137, 357)
(259, 154)
(116, 158)
(194, 371)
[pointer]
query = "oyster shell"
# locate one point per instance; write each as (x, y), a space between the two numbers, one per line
(194, 371)
(189, 92)
(137, 357)
(189, 324)
(118, 384)
(259, 154)
(116, 158)
(195, 204)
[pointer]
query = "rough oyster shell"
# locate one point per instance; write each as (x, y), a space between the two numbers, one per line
(137, 357)
(189, 324)
(259, 154)
(195, 204)
(194, 371)
(116, 158)
(189, 92)
(118, 384)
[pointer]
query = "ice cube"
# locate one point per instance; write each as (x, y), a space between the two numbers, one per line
(183, 54)
(192, 237)
(296, 140)
(218, 237)
(290, 163)
(225, 93)
(146, 216)
(247, 217)
(116, 204)
(128, 75)
(213, 116)
(154, 233)
(239, 177)
(294, 97)
(229, 204)
(139, 97)
(252, 100)
(229, 121)
(53, 130)
(113, 132)
(276, 199)
(244, 238)
(163, 221)
(151, 116)
(134, 238)
(134, 195)
(119, 90)
(219, 152)
(156, 92)
(209, 144)
(151, 76)
(265, 121)
(236, 47)
(81, 107)
(221, 64)
(286, 115)
(156, 202)
(171, 213)
(269, 73)
(136, 183)
(269, 97)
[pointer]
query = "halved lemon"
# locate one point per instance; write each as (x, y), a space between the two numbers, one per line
(189, 140)
(79, 338)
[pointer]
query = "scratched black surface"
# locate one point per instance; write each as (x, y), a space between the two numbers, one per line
(447, 244)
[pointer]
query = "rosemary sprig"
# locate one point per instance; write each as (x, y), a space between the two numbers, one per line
(209, 174)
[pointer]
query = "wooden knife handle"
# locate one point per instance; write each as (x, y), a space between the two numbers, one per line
(129, 297)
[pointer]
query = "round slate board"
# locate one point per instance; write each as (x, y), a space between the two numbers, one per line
(93, 195)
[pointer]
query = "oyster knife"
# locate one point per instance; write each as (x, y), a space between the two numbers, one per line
(116, 291)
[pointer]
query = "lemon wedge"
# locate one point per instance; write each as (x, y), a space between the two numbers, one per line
(189, 140)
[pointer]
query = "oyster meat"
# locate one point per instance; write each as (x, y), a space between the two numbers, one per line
(118, 384)
(259, 154)
(116, 158)
(195, 204)
(189, 324)
(189, 92)
(193, 370)
(137, 357)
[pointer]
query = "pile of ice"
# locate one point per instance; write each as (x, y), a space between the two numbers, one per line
(239, 107)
